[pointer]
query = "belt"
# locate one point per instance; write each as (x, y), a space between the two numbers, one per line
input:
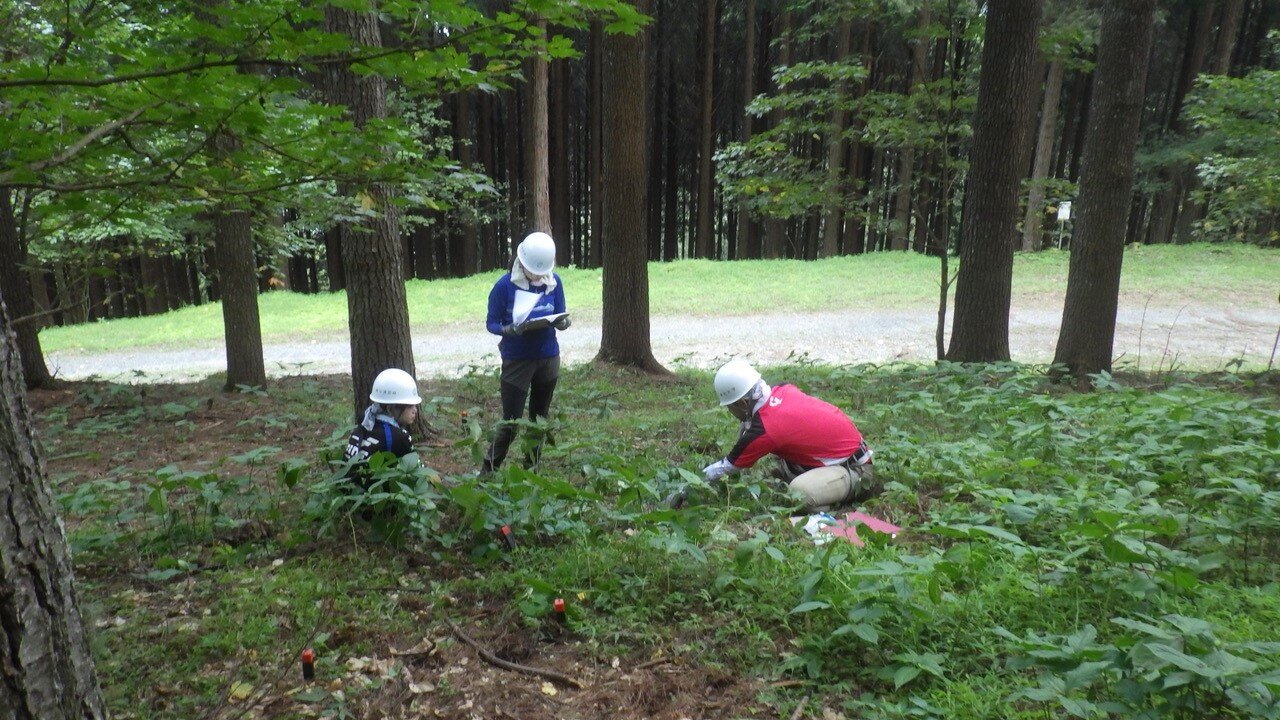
(859, 457)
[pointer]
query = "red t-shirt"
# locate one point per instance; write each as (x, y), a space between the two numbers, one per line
(798, 428)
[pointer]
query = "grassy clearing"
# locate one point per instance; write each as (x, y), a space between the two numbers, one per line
(1238, 274)
(1112, 552)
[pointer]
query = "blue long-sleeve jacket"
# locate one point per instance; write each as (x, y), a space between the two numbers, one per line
(535, 344)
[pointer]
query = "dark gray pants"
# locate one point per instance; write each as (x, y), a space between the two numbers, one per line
(532, 380)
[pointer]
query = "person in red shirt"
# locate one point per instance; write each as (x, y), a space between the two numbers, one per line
(820, 451)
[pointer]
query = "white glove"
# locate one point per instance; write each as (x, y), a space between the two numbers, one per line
(717, 470)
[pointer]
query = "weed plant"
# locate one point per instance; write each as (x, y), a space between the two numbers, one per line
(1065, 554)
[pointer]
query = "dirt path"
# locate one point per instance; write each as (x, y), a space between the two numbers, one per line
(1204, 336)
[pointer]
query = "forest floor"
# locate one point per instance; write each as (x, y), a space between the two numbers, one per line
(204, 563)
(1154, 332)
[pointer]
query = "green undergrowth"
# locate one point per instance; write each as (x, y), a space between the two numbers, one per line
(1064, 554)
(1236, 274)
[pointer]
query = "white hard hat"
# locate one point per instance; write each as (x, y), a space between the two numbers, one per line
(734, 380)
(394, 386)
(537, 253)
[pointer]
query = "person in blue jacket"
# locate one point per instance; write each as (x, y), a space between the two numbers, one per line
(526, 308)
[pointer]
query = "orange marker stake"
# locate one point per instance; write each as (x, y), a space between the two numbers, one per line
(308, 664)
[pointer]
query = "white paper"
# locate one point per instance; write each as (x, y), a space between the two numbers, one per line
(522, 305)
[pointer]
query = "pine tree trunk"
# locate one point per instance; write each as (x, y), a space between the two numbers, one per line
(706, 136)
(466, 251)
(15, 283)
(998, 162)
(625, 313)
(377, 310)
(1107, 169)
(1033, 222)
(46, 670)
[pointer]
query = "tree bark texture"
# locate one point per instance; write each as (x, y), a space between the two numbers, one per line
(377, 309)
(558, 164)
(46, 671)
(1107, 169)
(15, 283)
(625, 314)
(1033, 222)
(900, 228)
(997, 163)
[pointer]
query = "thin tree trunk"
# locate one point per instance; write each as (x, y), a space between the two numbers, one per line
(46, 669)
(900, 227)
(1175, 178)
(467, 251)
(1033, 222)
(706, 137)
(377, 310)
(15, 283)
(537, 169)
(559, 164)
(625, 313)
(835, 152)
(597, 147)
(1097, 249)
(998, 162)
(748, 239)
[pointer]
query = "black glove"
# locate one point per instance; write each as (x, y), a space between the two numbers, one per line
(512, 331)
(562, 323)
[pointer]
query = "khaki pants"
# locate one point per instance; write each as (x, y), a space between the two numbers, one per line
(825, 487)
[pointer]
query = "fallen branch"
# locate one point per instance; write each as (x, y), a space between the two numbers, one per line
(651, 663)
(508, 665)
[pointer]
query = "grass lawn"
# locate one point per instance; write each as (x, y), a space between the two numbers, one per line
(1111, 551)
(1237, 274)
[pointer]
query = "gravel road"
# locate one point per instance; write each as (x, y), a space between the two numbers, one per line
(1200, 336)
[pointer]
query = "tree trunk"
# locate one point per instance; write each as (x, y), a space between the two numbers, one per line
(536, 167)
(835, 153)
(46, 670)
(597, 152)
(15, 283)
(559, 164)
(998, 162)
(1107, 168)
(900, 227)
(748, 239)
(625, 313)
(238, 279)
(1033, 221)
(1228, 32)
(704, 242)
(1174, 178)
(467, 238)
(377, 310)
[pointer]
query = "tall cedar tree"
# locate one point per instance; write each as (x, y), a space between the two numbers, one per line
(46, 670)
(997, 163)
(537, 182)
(238, 282)
(377, 309)
(15, 283)
(1106, 181)
(624, 337)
